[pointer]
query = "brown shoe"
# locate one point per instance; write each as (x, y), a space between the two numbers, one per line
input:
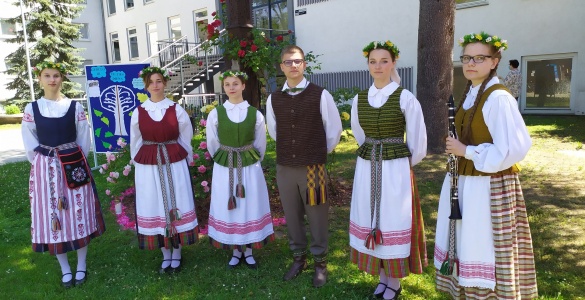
(298, 265)
(320, 277)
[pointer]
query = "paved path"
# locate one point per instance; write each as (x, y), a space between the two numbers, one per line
(11, 146)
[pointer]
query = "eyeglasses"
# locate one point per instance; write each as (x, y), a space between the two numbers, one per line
(290, 62)
(476, 59)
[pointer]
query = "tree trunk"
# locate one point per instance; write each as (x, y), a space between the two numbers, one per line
(435, 68)
(239, 14)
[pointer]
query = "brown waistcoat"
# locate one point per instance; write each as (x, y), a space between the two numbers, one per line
(300, 136)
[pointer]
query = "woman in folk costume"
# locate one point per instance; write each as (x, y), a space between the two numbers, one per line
(492, 242)
(239, 216)
(65, 209)
(386, 231)
(160, 145)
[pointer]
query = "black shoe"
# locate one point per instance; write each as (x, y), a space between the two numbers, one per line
(67, 284)
(167, 269)
(396, 292)
(253, 266)
(379, 295)
(239, 261)
(79, 282)
(178, 268)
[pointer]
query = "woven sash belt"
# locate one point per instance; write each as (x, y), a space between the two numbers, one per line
(375, 235)
(240, 192)
(171, 213)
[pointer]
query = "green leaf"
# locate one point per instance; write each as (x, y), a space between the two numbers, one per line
(105, 120)
(98, 132)
(108, 134)
(97, 113)
(106, 145)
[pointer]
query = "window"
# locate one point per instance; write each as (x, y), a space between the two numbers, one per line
(471, 3)
(148, 1)
(152, 38)
(175, 28)
(83, 31)
(548, 82)
(133, 43)
(115, 44)
(308, 2)
(200, 19)
(112, 7)
(7, 28)
(128, 4)
(270, 14)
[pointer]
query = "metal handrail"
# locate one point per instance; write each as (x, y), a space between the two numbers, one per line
(221, 33)
(163, 49)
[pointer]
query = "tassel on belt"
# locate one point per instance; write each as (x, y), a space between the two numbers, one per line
(171, 214)
(58, 201)
(375, 236)
(240, 192)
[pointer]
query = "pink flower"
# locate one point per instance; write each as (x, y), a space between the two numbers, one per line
(254, 48)
(108, 192)
(114, 174)
(109, 179)
(203, 122)
(213, 14)
(241, 53)
(131, 162)
(128, 167)
(203, 146)
(202, 169)
(121, 142)
(200, 63)
(195, 156)
(204, 183)
(290, 31)
(126, 172)
(279, 38)
(102, 171)
(192, 164)
(207, 155)
(206, 189)
(243, 44)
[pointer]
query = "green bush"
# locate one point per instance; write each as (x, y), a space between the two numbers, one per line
(12, 109)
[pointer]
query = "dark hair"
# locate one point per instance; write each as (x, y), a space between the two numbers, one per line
(291, 49)
(514, 63)
(465, 137)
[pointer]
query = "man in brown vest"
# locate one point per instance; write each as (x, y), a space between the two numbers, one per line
(304, 121)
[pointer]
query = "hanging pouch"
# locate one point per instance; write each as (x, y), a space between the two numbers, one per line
(75, 168)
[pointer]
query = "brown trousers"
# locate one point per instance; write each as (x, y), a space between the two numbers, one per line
(292, 187)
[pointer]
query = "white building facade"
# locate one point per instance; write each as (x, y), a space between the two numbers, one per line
(545, 36)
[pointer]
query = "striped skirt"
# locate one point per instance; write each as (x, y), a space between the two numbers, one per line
(515, 271)
(400, 267)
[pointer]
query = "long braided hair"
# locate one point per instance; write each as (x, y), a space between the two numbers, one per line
(466, 132)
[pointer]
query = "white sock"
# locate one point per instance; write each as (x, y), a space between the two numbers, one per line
(383, 279)
(392, 283)
(234, 261)
(65, 268)
(166, 257)
(176, 257)
(248, 254)
(81, 263)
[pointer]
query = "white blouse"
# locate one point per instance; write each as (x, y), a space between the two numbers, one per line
(416, 132)
(53, 109)
(236, 113)
(511, 140)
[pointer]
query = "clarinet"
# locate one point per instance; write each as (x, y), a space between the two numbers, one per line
(451, 262)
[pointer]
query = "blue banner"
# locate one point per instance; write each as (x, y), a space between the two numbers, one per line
(113, 91)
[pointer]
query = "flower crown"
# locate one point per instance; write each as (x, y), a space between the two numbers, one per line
(233, 74)
(388, 45)
(144, 73)
(49, 65)
(485, 38)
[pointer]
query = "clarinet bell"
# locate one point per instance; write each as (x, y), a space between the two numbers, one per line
(455, 210)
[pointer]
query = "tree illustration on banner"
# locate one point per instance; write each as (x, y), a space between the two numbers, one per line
(119, 100)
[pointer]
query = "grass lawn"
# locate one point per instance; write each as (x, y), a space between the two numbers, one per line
(553, 179)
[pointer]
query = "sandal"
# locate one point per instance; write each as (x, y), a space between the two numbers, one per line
(79, 282)
(253, 266)
(178, 268)
(67, 284)
(396, 292)
(239, 261)
(379, 295)
(167, 269)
